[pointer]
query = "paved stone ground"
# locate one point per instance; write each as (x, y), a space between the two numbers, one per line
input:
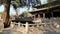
(32, 31)
(16, 32)
(11, 32)
(50, 32)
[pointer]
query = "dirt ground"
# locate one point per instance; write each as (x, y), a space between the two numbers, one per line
(1, 26)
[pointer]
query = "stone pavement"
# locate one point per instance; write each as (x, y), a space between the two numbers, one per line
(11, 32)
(17, 32)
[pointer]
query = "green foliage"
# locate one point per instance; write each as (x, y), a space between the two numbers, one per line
(18, 3)
(25, 14)
(0, 32)
(1, 13)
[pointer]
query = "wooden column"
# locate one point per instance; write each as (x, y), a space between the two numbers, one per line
(34, 17)
(43, 15)
(38, 15)
(52, 14)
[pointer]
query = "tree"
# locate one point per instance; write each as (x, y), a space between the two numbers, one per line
(1, 13)
(39, 2)
(15, 7)
(16, 4)
(6, 13)
(25, 14)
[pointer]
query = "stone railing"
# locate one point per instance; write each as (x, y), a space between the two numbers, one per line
(30, 25)
(42, 26)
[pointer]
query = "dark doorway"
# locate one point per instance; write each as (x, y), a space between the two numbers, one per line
(56, 14)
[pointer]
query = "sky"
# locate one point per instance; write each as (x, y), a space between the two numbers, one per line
(21, 10)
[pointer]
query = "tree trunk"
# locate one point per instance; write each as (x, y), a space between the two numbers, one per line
(6, 13)
(0, 1)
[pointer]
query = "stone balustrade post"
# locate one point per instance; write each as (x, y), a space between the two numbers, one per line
(12, 25)
(18, 24)
(27, 27)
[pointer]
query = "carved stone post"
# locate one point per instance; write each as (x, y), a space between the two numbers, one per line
(19, 24)
(27, 28)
